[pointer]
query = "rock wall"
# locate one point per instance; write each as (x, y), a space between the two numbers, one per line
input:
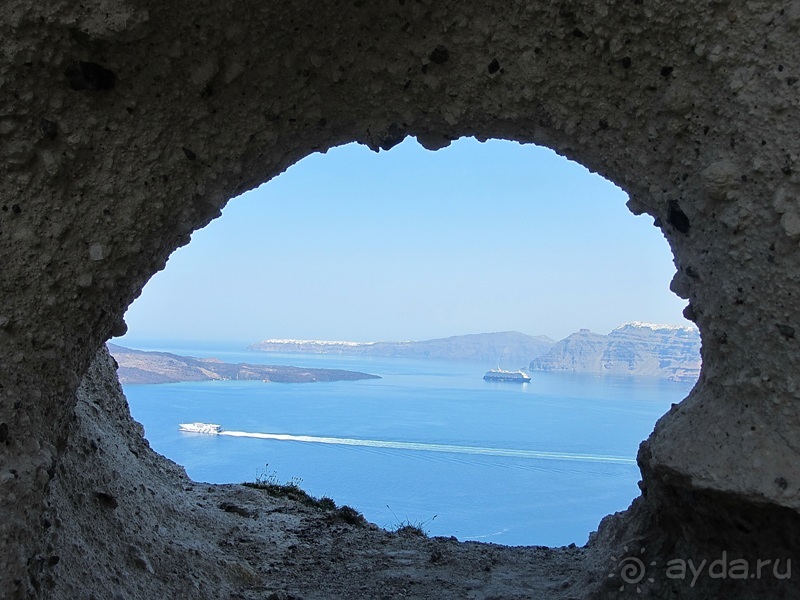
(146, 527)
(127, 124)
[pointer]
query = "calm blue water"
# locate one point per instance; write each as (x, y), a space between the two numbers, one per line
(501, 485)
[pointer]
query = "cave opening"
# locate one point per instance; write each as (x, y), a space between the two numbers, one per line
(197, 103)
(413, 245)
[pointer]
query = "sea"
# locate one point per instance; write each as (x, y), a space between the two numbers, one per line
(430, 444)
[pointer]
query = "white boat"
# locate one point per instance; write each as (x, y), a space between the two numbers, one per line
(211, 428)
(501, 375)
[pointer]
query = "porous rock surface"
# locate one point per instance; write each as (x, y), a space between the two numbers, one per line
(127, 124)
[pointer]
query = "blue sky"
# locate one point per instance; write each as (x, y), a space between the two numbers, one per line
(411, 244)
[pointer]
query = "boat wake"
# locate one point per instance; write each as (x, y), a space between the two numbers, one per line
(424, 447)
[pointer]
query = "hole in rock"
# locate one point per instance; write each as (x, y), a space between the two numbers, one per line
(413, 245)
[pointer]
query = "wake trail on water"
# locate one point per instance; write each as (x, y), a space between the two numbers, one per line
(425, 447)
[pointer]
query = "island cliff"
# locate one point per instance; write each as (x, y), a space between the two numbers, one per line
(506, 348)
(645, 349)
(665, 351)
(137, 366)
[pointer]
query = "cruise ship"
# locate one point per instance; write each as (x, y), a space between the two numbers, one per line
(211, 428)
(501, 375)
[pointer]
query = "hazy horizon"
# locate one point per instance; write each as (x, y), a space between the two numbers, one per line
(128, 339)
(415, 245)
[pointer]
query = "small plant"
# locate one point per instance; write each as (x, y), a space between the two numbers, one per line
(326, 503)
(266, 478)
(268, 482)
(409, 528)
(349, 515)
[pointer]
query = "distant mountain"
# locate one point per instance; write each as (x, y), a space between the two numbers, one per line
(508, 349)
(137, 366)
(666, 351)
